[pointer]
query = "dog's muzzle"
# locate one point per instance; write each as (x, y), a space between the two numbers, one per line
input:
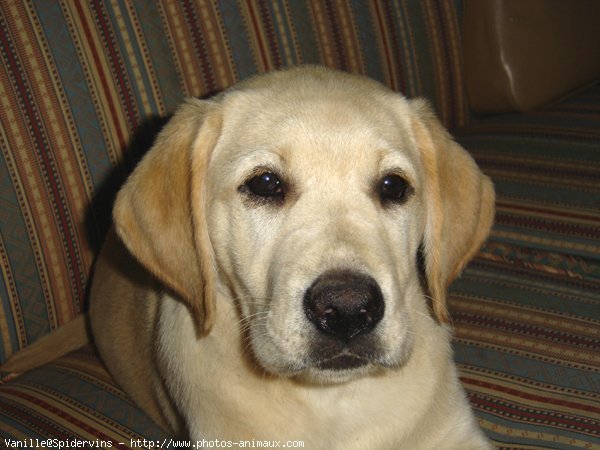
(345, 307)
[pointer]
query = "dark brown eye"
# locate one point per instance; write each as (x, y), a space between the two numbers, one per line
(394, 189)
(266, 185)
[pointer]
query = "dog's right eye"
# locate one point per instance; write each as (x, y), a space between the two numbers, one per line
(266, 185)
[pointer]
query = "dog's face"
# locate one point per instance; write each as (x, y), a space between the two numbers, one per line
(315, 214)
(312, 193)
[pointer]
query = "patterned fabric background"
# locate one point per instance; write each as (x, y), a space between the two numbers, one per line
(527, 310)
(73, 398)
(546, 169)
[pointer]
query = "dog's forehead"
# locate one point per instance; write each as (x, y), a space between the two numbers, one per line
(351, 125)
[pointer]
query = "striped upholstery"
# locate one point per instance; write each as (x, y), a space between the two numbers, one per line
(546, 168)
(527, 310)
(72, 399)
(84, 86)
(527, 345)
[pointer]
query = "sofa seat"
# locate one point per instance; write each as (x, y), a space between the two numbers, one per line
(526, 343)
(72, 398)
(526, 309)
(546, 170)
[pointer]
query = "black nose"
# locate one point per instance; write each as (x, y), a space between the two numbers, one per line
(344, 304)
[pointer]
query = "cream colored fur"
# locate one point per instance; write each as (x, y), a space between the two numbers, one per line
(204, 326)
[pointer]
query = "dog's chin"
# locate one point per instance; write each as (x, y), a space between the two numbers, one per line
(321, 374)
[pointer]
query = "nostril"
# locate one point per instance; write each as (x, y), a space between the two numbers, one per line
(344, 304)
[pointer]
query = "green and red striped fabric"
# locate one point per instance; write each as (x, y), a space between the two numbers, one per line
(546, 169)
(74, 403)
(527, 309)
(527, 340)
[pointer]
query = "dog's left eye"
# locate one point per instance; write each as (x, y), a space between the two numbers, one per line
(393, 188)
(266, 184)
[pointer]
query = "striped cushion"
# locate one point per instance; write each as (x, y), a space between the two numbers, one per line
(526, 341)
(527, 309)
(83, 85)
(72, 399)
(546, 169)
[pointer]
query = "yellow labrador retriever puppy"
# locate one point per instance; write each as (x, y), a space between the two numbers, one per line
(288, 245)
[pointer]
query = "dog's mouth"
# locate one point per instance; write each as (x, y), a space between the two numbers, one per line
(344, 361)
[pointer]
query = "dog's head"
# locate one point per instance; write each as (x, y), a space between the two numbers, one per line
(320, 201)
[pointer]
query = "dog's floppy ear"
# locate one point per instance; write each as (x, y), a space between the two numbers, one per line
(159, 213)
(459, 205)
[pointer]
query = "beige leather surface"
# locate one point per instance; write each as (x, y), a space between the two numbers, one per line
(523, 54)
